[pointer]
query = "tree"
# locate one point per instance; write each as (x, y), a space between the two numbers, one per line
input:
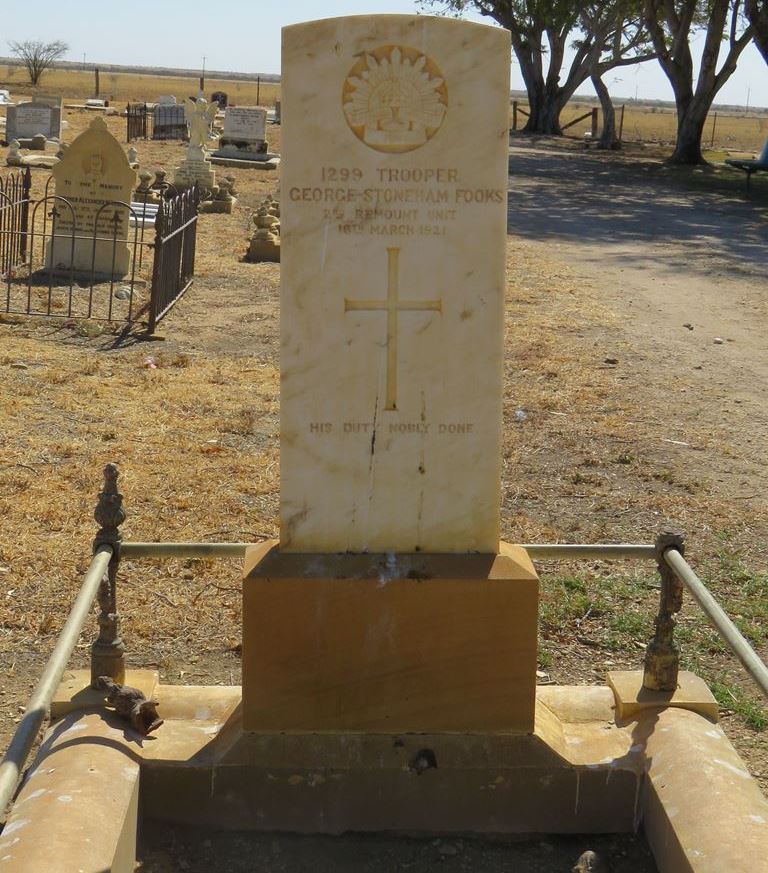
(618, 26)
(541, 31)
(670, 24)
(37, 56)
(757, 13)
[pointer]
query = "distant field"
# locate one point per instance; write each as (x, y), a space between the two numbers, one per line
(129, 87)
(642, 123)
(656, 124)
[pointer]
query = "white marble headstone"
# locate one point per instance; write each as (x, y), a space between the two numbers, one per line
(393, 205)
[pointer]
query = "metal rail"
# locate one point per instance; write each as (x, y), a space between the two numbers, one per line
(724, 626)
(37, 708)
(540, 552)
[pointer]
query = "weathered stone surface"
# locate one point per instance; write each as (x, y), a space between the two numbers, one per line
(92, 176)
(392, 246)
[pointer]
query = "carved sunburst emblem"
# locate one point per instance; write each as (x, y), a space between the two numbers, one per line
(394, 98)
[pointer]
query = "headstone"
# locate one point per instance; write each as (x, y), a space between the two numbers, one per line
(95, 103)
(278, 111)
(5, 97)
(393, 247)
(169, 122)
(166, 100)
(41, 115)
(243, 142)
(93, 172)
(245, 127)
(395, 219)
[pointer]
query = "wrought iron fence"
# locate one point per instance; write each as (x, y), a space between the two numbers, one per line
(161, 121)
(59, 263)
(175, 244)
(14, 212)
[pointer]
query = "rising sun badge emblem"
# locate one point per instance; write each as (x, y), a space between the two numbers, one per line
(394, 99)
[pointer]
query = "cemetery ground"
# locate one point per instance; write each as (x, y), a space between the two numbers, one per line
(634, 394)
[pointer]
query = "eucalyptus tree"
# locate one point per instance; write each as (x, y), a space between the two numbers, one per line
(671, 25)
(601, 35)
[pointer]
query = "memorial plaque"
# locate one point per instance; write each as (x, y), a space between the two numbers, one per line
(394, 203)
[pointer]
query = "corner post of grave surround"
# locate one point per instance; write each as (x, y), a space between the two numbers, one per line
(108, 651)
(662, 656)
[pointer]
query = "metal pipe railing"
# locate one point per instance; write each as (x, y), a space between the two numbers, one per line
(37, 708)
(541, 552)
(724, 626)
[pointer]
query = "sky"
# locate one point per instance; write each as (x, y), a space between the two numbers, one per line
(244, 36)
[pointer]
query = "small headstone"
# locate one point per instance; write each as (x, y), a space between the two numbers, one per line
(245, 127)
(244, 137)
(96, 103)
(41, 115)
(92, 175)
(133, 157)
(166, 100)
(39, 142)
(5, 97)
(278, 112)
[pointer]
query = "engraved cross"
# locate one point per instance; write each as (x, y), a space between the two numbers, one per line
(392, 306)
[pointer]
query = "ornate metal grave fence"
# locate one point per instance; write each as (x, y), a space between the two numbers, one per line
(175, 244)
(53, 266)
(161, 121)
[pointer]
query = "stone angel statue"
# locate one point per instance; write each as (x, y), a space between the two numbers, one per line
(199, 114)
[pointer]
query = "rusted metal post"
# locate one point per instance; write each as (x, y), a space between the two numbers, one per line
(96, 83)
(621, 123)
(662, 656)
(108, 651)
(714, 128)
(514, 115)
(594, 123)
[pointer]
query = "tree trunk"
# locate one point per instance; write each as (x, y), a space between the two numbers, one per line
(546, 106)
(690, 128)
(758, 15)
(608, 139)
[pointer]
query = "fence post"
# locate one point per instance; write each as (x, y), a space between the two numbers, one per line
(514, 115)
(25, 191)
(714, 126)
(662, 657)
(594, 122)
(108, 651)
(96, 76)
(157, 272)
(621, 123)
(258, 90)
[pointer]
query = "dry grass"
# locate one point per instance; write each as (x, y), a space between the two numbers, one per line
(76, 85)
(197, 441)
(657, 125)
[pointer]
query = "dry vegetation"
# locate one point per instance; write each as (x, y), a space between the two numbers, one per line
(196, 438)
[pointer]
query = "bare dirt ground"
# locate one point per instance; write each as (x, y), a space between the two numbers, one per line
(617, 417)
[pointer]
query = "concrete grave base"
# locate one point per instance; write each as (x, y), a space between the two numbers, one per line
(670, 771)
(265, 162)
